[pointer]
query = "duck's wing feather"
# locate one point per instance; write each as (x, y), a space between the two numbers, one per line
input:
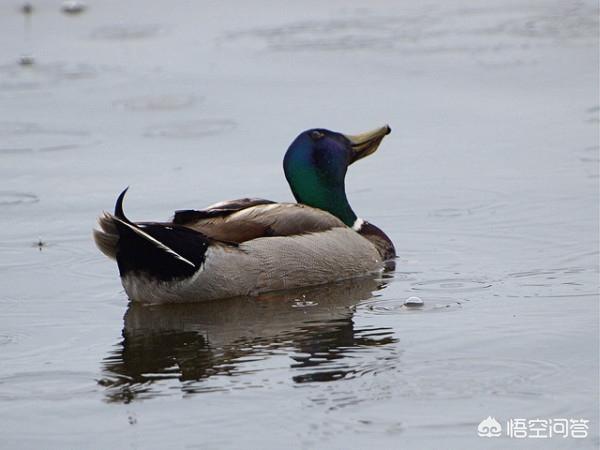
(221, 209)
(245, 219)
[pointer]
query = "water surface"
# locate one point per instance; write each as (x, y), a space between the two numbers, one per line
(488, 186)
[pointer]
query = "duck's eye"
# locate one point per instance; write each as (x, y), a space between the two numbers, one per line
(316, 135)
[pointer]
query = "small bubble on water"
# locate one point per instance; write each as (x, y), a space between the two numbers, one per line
(413, 302)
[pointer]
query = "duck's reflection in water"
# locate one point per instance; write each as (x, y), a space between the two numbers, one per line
(195, 342)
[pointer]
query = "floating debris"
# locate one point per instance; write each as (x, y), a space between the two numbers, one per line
(72, 7)
(302, 302)
(27, 8)
(413, 302)
(26, 60)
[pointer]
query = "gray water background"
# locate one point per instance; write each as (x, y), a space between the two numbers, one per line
(488, 186)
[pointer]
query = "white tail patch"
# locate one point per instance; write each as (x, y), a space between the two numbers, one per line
(107, 237)
(358, 223)
(107, 243)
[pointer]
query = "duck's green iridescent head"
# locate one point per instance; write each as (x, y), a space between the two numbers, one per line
(315, 166)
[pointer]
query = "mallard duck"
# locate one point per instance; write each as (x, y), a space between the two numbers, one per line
(251, 246)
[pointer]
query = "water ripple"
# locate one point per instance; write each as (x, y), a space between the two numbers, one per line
(573, 281)
(484, 376)
(421, 33)
(399, 306)
(45, 385)
(29, 137)
(122, 32)
(48, 255)
(15, 77)
(11, 198)
(451, 285)
(191, 129)
(165, 102)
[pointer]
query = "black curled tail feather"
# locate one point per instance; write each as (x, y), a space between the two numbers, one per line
(119, 213)
(160, 251)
